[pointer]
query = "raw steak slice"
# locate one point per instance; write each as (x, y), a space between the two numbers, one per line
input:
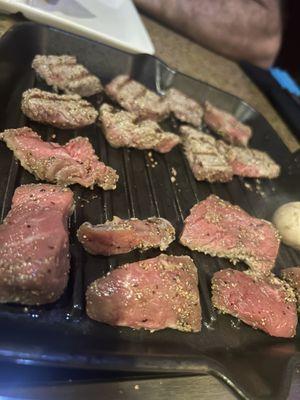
(135, 97)
(65, 111)
(34, 245)
(153, 294)
(218, 228)
(184, 108)
(292, 276)
(265, 303)
(248, 162)
(75, 162)
(123, 129)
(205, 159)
(226, 125)
(63, 72)
(122, 236)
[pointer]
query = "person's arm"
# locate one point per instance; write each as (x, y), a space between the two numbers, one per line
(248, 30)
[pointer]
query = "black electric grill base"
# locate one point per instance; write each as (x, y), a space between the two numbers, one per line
(252, 363)
(284, 102)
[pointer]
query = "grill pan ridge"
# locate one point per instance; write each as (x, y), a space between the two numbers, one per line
(253, 364)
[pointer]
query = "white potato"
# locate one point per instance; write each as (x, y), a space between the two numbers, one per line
(287, 221)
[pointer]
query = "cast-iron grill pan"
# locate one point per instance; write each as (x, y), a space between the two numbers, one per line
(254, 364)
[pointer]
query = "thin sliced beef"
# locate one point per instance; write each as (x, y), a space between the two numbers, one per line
(218, 228)
(292, 276)
(153, 294)
(34, 245)
(65, 111)
(75, 162)
(204, 157)
(250, 163)
(183, 107)
(226, 125)
(265, 303)
(215, 161)
(122, 236)
(64, 73)
(123, 129)
(135, 97)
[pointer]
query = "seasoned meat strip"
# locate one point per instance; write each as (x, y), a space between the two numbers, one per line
(226, 125)
(135, 97)
(292, 276)
(265, 303)
(218, 228)
(63, 72)
(204, 157)
(34, 245)
(215, 161)
(75, 162)
(122, 236)
(153, 294)
(183, 107)
(123, 129)
(250, 163)
(64, 111)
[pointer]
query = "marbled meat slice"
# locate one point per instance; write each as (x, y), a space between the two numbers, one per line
(292, 276)
(65, 111)
(122, 236)
(226, 125)
(75, 162)
(183, 107)
(135, 97)
(250, 163)
(123, 129)
(34, 245)
(157, 293)
(263, 302)
(218, 228)
(205, 159)
(64, 73)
